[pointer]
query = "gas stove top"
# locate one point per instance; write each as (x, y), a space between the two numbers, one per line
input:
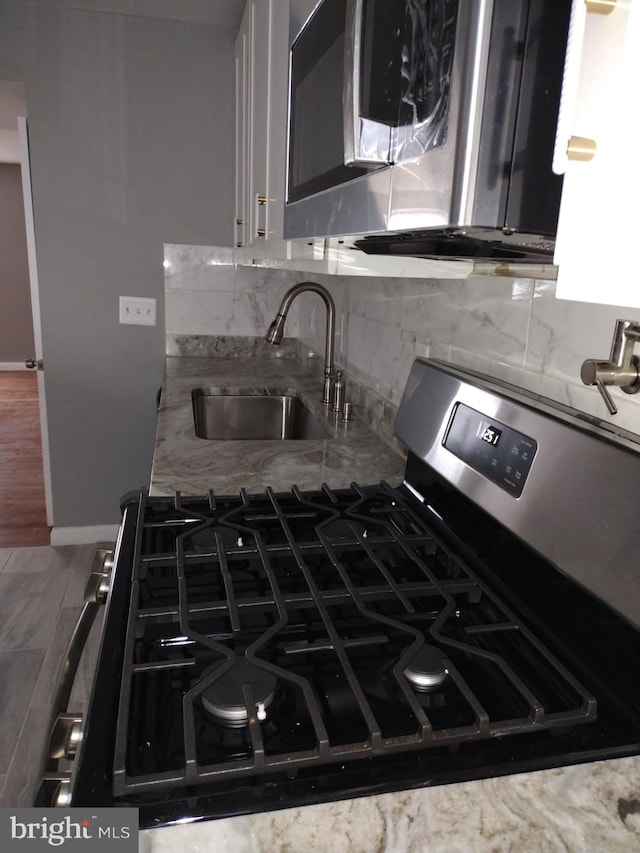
(279, 631)
(276, 649)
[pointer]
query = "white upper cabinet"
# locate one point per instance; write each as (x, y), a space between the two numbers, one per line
(598, 233)
(261, 126)
(241, 59)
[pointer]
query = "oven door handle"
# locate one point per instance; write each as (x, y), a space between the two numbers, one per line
(367, 142)
(66, 728)
(74, 653)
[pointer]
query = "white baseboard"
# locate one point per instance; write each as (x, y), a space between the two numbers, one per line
(84, 535)
(13, 365)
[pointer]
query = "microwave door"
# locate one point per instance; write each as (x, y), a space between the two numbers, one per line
(316, 161)
(428, 51)
(434, 179)
(398, 66)
(369, 115)
(325, 195)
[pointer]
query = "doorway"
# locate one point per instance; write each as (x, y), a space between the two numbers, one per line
(25, 506)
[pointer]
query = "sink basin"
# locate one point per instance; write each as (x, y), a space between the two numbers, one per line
(232, 417)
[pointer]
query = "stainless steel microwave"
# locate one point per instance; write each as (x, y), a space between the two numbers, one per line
(435, 116)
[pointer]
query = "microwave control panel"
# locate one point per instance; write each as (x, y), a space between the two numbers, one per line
(500, 453)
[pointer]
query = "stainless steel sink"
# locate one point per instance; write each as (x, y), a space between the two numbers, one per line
(232, 417)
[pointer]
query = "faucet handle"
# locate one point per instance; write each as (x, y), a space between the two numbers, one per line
(327, 387)
(623, 367)
(592, 373)
(338, 391)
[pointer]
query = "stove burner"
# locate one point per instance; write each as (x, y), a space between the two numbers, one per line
(224, 699)
(343, 528)
(427, 670)
(205, 539)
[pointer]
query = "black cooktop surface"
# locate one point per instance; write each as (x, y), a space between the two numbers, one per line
(300, 647)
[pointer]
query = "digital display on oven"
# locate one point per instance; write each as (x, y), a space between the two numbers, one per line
(490, 434)
(500, 453)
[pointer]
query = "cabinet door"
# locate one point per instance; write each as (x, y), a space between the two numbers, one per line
(276, 150)
(242, 127)
(261, 103)
(596, 249)
(259, 118)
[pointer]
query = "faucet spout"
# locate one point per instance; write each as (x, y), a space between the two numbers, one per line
(274, 334)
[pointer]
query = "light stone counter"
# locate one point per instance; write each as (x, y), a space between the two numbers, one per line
(592, 808)
(183, 462)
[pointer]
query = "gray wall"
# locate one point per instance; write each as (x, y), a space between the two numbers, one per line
(131, 137)
(16, 328)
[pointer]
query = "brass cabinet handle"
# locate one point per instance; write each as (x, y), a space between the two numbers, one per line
(237, 225)
(579, 148)
(600, 7)
(261, 215)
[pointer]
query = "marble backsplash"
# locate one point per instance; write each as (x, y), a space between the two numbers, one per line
(511, 328)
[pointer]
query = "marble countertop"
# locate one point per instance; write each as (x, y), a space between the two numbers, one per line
(589, 808)
(183, 462)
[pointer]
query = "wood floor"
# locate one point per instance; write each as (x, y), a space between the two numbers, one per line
(23, 519)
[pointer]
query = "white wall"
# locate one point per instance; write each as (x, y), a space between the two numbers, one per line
(514, 329)
(131, 136)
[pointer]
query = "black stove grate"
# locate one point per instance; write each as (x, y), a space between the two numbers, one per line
(280, 631)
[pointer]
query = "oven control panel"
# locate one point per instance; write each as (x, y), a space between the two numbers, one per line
(502, 454)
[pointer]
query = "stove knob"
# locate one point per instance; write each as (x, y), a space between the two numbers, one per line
(100, 578)
(54, 790)
(106, 562)
(97, 588)
(62, 796)
(66, 736)
(103, 589)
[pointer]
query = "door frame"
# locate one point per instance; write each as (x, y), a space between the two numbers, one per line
(25, 170)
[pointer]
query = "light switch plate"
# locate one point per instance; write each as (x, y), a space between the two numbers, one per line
(137, 310)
